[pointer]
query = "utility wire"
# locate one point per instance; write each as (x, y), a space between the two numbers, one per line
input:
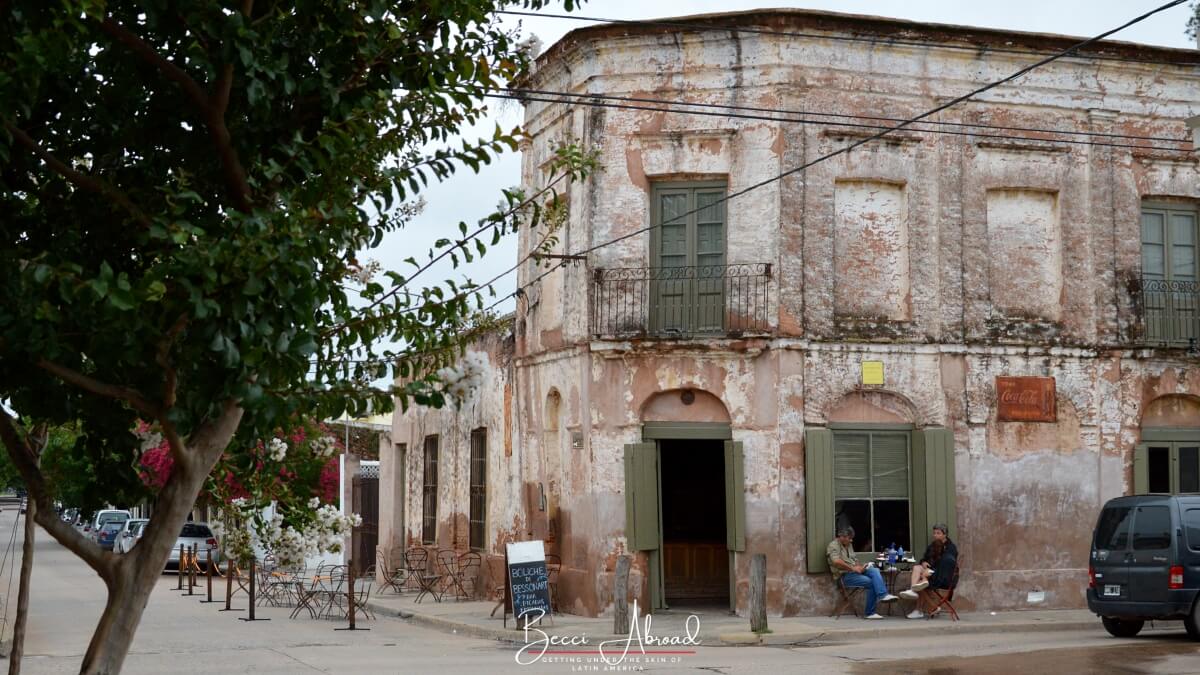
(845, 149)
(582, 99)
(815, 113)
(703, 23)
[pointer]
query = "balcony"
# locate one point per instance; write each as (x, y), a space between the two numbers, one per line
(1169, 312)
(681, 302)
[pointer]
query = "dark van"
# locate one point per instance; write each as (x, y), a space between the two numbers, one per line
(1146, 563)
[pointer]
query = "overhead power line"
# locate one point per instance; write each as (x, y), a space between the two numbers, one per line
(702, 23)
(905, 123)
(834, 115)
(843, 150)
(608, 102)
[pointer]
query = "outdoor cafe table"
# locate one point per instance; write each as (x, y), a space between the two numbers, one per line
(891, 573)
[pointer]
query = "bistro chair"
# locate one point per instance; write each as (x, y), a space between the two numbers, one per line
(362, 596)
(416, 564)
(847, 596)
(466, 573)
(943, 597)
(553, 567)
(495, 575)
(447, 567)
(393, 577)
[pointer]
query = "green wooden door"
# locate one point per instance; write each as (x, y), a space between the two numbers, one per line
(687, 282)
(643, 522)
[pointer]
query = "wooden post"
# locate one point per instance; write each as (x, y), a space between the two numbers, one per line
(179, 584)
(758, 593)
(621, 595)
(208, 570)
(229, 587)
(191, 570)
(350, 593)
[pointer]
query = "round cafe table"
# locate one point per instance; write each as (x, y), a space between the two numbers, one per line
(891, 574)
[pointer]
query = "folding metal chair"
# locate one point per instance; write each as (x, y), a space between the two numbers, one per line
(847, 596)
(392, 577)
(553, 567)
(416, 564)
(945, 597)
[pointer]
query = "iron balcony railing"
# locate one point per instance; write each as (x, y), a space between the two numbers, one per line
(1169, 312)
(710, 300)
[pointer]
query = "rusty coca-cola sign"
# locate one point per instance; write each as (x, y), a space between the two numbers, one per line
(1026, 399)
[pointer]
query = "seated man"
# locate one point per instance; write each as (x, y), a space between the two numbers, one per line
(840, 554)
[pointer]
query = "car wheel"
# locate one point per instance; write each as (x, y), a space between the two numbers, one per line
(1192, 621)
(1122, 628)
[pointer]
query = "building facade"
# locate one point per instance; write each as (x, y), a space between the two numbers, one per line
(984, 321)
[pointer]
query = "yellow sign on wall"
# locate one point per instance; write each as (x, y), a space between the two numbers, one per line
(872, 372)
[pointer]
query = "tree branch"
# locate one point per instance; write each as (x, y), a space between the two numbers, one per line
(212, 110)
(131, 396)
(164, 359)
(148, 54)
(77, 178)
(25, 461)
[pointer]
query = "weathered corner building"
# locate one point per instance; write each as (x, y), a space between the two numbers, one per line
(983, 320)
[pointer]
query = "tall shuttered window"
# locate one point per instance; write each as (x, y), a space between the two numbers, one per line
(871, 487)
(858, 476)
(687, 279)
(429, 492)
(478, 518)
(1170, 274)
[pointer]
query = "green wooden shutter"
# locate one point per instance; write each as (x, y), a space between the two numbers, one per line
(735, 497)
(641, 496)
(939, 484)
(1141, 469)
(818, 496)
(851, 466)
(920, 519)
(889, 466)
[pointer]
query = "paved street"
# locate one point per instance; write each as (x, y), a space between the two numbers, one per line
(179, 635)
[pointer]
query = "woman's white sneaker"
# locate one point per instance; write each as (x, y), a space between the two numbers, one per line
(916, 614)
(908, 594)
(873, 616)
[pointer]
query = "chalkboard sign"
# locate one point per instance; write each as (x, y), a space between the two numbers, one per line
(527, 580)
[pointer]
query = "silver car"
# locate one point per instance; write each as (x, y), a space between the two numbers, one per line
(130, 535)
(199, 535)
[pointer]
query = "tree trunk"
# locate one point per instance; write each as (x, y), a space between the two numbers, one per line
(18, 644)
(621, 596)
(135, 574)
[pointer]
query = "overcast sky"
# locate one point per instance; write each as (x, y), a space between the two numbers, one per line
(468, 197)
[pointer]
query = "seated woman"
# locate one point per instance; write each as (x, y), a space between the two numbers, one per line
(935, 569)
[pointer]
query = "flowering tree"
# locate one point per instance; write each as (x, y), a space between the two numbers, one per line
(189, 192)
(276, 494)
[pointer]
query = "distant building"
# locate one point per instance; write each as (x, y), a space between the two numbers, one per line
(989, 322)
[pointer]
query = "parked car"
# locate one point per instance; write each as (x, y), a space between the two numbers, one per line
(201, 536)
(24, 504)
(130, 534)
(70, 515)
(1145, 563)
(106, 536)
(107, 516)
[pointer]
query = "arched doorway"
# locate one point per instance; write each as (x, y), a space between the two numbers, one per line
(686, 498)
(1168, 458)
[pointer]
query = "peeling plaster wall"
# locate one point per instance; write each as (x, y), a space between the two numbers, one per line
(953, 259)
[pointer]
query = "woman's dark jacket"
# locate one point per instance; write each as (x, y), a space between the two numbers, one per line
(943, 568)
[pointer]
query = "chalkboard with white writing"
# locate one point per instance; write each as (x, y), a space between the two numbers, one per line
(528, 582)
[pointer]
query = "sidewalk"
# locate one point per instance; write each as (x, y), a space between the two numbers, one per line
(719, 628)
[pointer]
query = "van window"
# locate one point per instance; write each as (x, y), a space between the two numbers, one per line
(1191, 525)
(1152, 528)
(1112, 534)
(195, 531)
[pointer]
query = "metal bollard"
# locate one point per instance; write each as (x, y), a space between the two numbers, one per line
(229, 588)
(253, 573)
(208, 570)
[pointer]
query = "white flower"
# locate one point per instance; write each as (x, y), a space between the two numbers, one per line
(324, 446)
(150, 440)
(277, 449)
(314, 503)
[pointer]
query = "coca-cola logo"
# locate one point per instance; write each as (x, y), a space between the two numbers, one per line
(1025, 399)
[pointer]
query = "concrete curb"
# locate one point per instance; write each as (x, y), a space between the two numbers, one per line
(784, 637)
(449, 625)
